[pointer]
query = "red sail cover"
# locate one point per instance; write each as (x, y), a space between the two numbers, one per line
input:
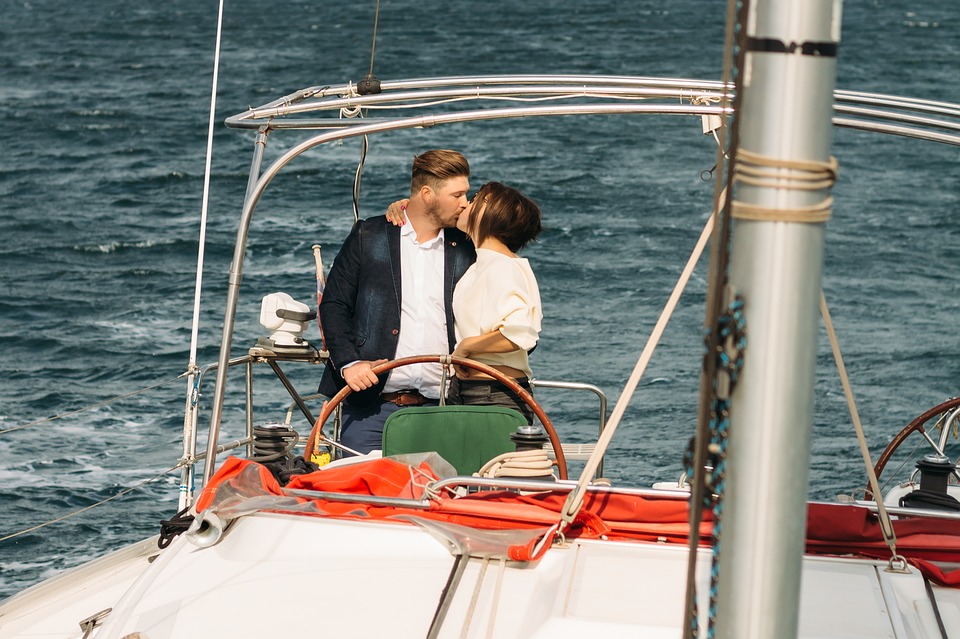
(832, 529)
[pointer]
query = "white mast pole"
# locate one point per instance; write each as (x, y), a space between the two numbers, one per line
(781, 202)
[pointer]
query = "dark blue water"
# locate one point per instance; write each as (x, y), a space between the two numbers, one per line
(100, 181)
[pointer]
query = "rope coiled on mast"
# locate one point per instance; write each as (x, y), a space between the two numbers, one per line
(754, 169)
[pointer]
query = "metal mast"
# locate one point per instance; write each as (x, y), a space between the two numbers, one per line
(782, 176)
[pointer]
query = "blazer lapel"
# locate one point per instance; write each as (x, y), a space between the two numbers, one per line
(453, 255)
(393, 240)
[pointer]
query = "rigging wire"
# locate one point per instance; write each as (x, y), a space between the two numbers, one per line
(369, 84)
(909, 458)
(886, 525)
(373, 45)
(734, 52)
(189, 411)
(575, 499)
(92, 406)
(205, 200)
(91, 506)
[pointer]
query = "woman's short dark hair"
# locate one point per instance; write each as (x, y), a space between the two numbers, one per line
(433, 168)
(509, 216)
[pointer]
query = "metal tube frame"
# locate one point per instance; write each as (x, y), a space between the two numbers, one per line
(594, 88)
(543, 383)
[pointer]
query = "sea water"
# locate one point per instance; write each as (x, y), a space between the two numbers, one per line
(101, 175)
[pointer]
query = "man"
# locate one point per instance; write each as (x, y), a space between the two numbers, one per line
(390, 294)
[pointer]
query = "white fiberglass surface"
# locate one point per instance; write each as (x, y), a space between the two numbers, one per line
(53, 609)
(318, 571)
(604, 589)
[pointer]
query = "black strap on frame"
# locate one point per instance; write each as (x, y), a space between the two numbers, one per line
(772, 45)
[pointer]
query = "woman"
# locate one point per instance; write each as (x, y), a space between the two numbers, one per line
(496, 304)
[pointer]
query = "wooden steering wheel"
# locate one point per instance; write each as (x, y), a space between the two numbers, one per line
(916, 425)
(506, 380)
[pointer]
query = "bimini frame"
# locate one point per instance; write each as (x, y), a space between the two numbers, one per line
(340, 112)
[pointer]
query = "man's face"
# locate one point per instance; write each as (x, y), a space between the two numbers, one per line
(449, 202)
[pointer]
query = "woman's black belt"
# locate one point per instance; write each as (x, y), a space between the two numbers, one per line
(524, 383)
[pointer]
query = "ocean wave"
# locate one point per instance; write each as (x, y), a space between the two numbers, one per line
(911, 20)
(118, 246)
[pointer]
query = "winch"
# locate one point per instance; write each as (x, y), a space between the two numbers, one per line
(287, 319)
(935, 471)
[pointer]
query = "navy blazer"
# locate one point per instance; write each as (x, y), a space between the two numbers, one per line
(360, 309)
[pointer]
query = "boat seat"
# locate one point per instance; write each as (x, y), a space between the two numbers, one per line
(466, 436)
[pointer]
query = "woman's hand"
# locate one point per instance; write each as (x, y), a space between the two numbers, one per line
(396, 212)
(470, 347)
(461, 371)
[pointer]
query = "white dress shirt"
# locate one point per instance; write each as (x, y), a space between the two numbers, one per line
(423, 320)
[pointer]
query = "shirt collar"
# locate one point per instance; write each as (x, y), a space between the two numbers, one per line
(407, 231)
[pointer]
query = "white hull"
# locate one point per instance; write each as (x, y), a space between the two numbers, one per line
(278, 575)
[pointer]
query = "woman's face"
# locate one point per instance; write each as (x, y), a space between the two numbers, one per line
(466, 220)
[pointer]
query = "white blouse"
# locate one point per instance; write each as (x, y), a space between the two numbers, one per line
(499, 293)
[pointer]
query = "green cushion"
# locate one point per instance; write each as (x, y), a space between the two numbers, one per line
(466, 436)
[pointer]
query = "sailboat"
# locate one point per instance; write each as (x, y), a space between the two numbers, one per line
(415, 543)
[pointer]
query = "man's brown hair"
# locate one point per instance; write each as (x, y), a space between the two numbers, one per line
(435, 167)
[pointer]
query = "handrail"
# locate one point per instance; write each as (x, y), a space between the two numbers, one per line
(543, 383)
(520, 94)
(487, 483)
(900, 511)
(874, 112)
(945, 433)
(564, 486)
(292, 102)
(401, 502)
(326, 97)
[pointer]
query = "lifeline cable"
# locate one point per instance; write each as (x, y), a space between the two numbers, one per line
(91, 506)
(92, 406)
